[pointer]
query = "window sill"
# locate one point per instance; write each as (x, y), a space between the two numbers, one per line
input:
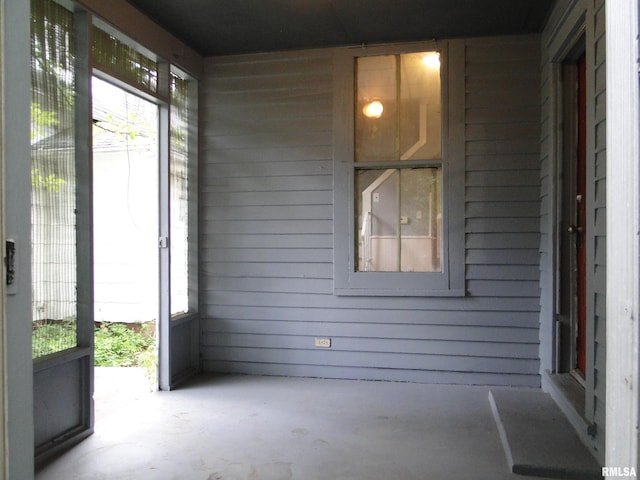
(374, 292)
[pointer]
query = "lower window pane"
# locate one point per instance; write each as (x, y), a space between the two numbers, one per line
(399, 218)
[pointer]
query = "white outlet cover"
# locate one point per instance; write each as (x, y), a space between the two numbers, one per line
(323, 342)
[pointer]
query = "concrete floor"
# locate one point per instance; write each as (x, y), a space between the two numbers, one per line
(272, 428)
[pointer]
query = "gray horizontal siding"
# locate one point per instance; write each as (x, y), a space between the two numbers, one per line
(368, 373)
(266, 198)
(374, 316)
(495, 303)
(359, 358)
(413, 346)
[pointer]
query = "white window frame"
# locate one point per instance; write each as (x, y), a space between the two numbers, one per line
(450, 281)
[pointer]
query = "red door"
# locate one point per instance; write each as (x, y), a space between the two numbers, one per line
(581, 184)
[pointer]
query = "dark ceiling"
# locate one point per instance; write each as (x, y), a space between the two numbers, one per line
(223, 27)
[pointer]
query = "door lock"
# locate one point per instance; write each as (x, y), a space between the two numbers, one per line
(574, 229)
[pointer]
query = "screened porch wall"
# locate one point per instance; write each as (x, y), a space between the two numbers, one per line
(266, 230)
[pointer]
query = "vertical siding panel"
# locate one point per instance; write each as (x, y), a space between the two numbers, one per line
(267, 234)
(547, 205)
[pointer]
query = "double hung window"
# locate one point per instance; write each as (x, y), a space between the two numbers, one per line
(397, 176)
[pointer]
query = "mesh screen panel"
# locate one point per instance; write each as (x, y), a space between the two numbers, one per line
(52, 179)
(123, 61)
(179, 212)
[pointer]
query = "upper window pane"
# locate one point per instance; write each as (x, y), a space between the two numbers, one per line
(420, 118)
(376, 109)
(398, 108)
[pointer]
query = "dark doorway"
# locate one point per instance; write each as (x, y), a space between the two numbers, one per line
(581, 218)
(573, 223)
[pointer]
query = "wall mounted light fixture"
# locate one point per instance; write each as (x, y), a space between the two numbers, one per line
(373, 109)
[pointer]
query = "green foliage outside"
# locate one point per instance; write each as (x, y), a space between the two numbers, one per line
(50, 338)
(116, 345)
(50, 182)
(41, 121)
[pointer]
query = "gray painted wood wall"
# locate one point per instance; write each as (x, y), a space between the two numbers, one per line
(599, 253)
(569, 20)
(266, 200)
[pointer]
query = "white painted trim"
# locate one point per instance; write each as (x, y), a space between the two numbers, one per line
(164, 257)
(17, 224)
(623, 241)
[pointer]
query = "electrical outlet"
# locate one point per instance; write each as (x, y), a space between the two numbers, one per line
(323, 342)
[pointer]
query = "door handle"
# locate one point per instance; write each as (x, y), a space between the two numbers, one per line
(10, 261)
(574, 229)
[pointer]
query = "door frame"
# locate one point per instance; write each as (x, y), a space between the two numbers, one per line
(16, 192)
(575, 398)
(572, 197)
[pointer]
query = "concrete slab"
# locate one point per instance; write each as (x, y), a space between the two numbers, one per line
(538, 439)
(274, 428)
